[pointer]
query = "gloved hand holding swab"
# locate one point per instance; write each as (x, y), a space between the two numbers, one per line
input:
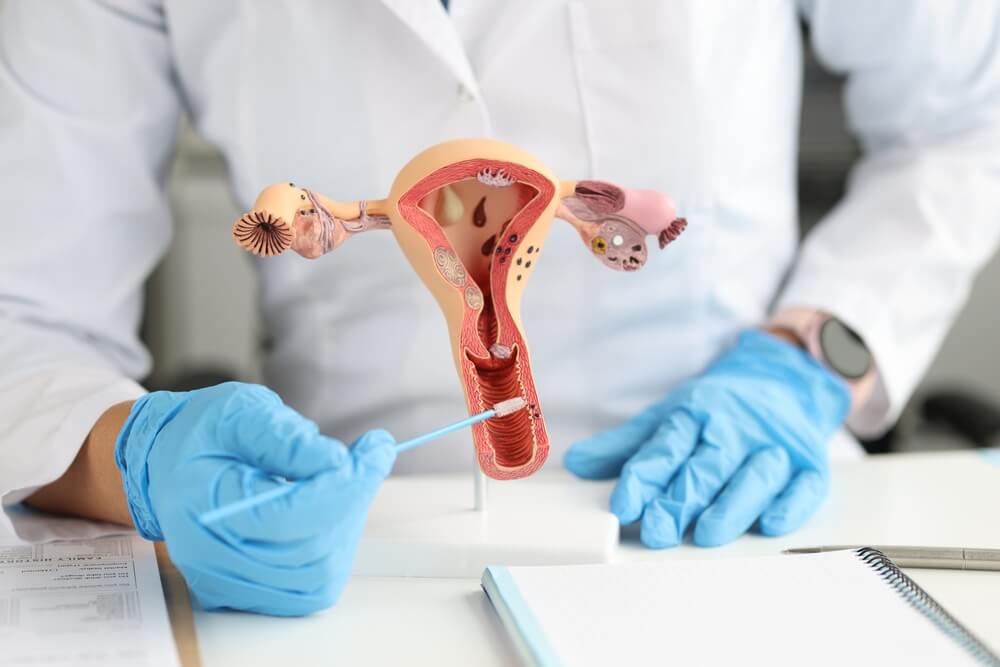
(501, 409)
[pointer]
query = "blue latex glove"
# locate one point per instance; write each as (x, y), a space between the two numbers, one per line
(744, 442)
(182, 454)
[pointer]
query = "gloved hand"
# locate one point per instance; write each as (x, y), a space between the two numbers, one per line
(182, 454)
(744, 442)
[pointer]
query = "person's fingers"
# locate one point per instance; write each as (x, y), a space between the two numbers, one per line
(215, 589)
(648, 472)
(795, 504)
(692, 489)
(601, 456)
(758, 481)
(375, 452)
(295, 565)
(316, 507)
(258, 429)
(302, 512)
(322, 517)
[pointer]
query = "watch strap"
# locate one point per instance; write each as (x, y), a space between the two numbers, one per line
(805, 324)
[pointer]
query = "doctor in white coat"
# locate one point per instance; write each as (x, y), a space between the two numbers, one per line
(752, 350)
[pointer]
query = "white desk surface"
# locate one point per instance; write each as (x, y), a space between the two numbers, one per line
(944, 499)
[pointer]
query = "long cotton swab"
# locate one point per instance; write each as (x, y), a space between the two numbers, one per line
(501, 409)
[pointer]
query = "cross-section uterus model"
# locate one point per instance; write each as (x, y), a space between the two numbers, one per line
(472, 217)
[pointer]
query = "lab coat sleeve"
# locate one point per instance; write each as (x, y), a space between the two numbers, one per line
(896, 257)
(88, 116)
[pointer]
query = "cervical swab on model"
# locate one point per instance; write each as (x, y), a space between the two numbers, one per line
(501, 409)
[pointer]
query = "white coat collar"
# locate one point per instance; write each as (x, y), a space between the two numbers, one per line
(429, 21)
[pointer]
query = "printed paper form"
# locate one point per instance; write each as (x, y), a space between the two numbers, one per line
(90, 602)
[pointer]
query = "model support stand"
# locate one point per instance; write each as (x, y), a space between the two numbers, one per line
(419, 526)
(479, 489)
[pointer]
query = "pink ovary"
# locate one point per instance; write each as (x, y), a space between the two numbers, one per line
(625, 244)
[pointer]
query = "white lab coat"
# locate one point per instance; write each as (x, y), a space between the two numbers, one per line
(697, 98)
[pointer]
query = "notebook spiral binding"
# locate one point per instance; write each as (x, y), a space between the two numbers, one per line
(920, 600)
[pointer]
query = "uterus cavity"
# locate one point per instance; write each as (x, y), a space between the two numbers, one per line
(472, 217)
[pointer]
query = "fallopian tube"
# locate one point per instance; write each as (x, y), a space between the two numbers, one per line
(472, 217)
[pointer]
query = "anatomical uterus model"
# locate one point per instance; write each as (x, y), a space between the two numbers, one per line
(472, 217)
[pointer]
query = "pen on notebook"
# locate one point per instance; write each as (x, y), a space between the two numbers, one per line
(501, 409)
(945, 558)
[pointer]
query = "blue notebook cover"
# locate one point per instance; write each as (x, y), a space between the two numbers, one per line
(517, 617)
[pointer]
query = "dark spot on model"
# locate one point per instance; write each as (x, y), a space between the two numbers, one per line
(479, 214)
(488, 246)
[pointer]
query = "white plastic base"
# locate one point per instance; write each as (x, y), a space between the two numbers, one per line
(425, 526)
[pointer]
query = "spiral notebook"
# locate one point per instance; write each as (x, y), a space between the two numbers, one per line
(838, 608)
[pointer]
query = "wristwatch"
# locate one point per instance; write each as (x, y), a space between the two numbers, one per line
(833, 343)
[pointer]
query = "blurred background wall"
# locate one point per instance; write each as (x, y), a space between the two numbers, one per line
(202, 313)
(201, 318)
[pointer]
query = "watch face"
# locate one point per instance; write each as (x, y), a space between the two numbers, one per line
(843, 350)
